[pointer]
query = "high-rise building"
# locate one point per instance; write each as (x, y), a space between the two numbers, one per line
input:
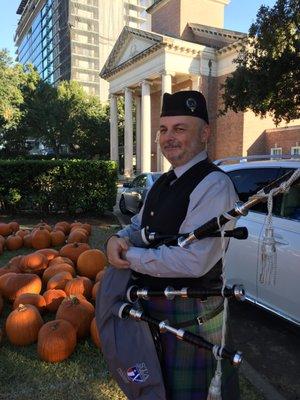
(71, 39)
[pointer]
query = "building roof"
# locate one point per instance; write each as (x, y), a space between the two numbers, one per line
(22, 6)
(216, 38)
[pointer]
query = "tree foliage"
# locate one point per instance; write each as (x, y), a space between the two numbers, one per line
(62, 117)
(267, 77)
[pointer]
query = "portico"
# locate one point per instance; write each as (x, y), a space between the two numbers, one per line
(161, 64)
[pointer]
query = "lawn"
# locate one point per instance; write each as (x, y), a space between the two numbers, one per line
(83, 376)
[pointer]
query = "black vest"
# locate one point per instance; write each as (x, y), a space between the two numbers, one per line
(165, 209)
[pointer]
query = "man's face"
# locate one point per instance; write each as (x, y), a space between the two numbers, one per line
(182, 137)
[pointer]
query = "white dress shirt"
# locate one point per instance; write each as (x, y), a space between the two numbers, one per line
(214, 195)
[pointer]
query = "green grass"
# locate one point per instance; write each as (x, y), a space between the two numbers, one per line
(84, 376)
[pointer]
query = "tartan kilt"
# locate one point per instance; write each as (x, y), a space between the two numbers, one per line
(187, 369)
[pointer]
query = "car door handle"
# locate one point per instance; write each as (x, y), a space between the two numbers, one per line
(279, 240)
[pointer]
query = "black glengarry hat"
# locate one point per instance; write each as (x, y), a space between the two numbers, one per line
(187, 102)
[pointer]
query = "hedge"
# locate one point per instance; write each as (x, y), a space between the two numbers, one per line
(51, 186)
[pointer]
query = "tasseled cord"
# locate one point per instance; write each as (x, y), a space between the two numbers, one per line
(215, 388)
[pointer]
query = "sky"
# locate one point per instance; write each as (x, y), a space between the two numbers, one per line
(239, 15)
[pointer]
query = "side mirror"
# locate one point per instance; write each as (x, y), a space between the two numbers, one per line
(127, 184)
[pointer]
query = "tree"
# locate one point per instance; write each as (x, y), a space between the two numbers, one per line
(267, 77)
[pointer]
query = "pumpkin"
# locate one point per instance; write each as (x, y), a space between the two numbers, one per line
(63, 226)
(95, 290)
(58, 238)
(95, 334)
(55, 269)
(23, 325)
(79, 285)
(53, 299)
(79, 229)
(100, 275)
(1, 304)
(14, 226)
(5, 229)
(41, 238)
(31, 298)
(34, 263)
(75, 224)
(4, 278)
(77, 236)
(1, 249)
(18, 284)
(23, 232)
(78, 313)
(73, 250)
(59, 280)
(2, 240)
(49, 253)
(56, 340)
(90, 262)
(14, 242)
(60, 260)
(87, 227)
(15, 263)
(27, 241)
(44, 225)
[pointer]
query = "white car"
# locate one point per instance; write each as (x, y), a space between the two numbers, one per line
(244, 257)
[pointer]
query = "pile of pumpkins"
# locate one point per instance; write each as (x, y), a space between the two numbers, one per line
(62, 283)
(42, 236)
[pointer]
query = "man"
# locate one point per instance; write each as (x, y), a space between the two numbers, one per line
(180, 201)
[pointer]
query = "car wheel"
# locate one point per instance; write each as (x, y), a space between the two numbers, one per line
(122, 206)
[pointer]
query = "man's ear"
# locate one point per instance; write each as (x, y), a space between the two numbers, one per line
(205, 134)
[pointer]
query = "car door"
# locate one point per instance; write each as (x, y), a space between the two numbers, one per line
(281, 293)
(242, 255)
(137, 188)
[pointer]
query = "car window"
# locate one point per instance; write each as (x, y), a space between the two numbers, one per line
(140, 181)
(249, 181)
(290, 203)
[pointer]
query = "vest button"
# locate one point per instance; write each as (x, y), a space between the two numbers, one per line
(152, 213)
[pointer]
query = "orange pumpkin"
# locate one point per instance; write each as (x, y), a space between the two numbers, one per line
(31, 298)
(15, 263)
(58, 238)
(23, 232)
(2, 240)
(34, 263)
(55, 269)
(41, 238)
(59, 280)
(14, 226)
(18, 284)
(79, 285)
(100, 275)
(78, 313)
(60, 260)
(53, 299)
(44, 225)
(87, 227)
(14, 242)
(1, 304)
(95, 334)
(6, 274)
(73, 250)
(27, 241)
(23, 325)
(77, 236)
(5, 229)
(95, 290)
(90, 262)
(56, 340)
(49, 253)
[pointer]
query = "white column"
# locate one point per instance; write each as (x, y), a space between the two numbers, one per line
(128, 134)
(166, 87)
(146, 128)
(138, 132)
(114, 144)
(195, 83)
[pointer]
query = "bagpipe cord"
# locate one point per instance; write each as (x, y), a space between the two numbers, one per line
(214, 392)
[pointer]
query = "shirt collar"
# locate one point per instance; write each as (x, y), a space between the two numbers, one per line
(183, 168)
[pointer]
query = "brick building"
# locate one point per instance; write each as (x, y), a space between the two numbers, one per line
(187, 48)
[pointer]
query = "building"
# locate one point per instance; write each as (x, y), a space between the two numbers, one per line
(71, 39)
(186, 48)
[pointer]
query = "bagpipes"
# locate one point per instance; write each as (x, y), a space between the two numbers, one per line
(212, 228)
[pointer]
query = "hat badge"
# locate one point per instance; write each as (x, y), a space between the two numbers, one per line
(191, 104)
